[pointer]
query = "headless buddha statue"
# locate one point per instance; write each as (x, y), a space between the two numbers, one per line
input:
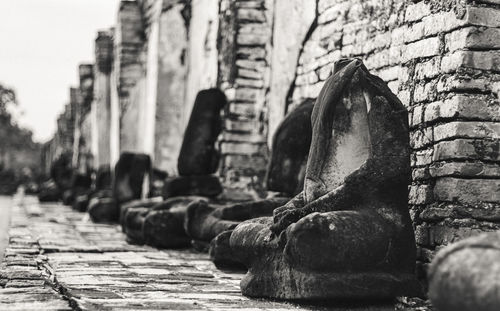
(209, 222)
(348, 234)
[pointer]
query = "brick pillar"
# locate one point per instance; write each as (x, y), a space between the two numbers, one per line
(128, 71)
(244, 71)
(451, 69)
(102, 97)
(166, 88)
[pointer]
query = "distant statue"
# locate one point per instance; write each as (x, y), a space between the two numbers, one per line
(213, 223)
(348, 234)
(161, 223)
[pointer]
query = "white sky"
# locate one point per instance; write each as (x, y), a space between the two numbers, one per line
(41, 44)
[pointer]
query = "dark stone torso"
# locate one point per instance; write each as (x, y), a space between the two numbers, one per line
(198, 155)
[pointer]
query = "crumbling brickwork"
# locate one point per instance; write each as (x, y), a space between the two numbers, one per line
(440, 57)
(244, 72)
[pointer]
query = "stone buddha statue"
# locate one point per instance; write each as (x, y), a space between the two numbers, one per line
(348, 234)
(213, 223)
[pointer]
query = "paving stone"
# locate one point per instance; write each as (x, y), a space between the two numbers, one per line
(94, 268)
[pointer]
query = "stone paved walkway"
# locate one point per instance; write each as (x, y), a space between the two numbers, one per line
(57, 259)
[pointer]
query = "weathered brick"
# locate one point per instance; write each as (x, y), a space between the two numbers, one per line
(251, 39)
(440, 235)
(423, 48)
(463, 106)
(417, 11)
(253, 15)
(455, 211)
(422, 235)
(250, 74)
(242, 148)
(458, 83)
(421, 173)
(243, 137)
(417, 116)
(246, 94)
(483, 16)
(441, 22)
(460, 129)
(251, 83)
(465, 169)
(243, 109)
(473, 38)
(420, 138)
(414, 33)
(255, 65)
(428, 69)
(488, 150)
(423, 157)
(240, 125)
(467, 190)
(471, 59)
(425, 92)
(420, 194)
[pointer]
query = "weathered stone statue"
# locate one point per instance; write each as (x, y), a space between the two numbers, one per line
(60, 179)
(80, 184)
(285, 176)
(198, 160)
(101, 185)
(348, 235)
(130, 172)
(466, 275)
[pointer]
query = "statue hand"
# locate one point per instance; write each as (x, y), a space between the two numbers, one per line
(284, 219)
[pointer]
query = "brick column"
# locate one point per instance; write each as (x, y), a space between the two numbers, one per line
(245, 29)
(128, 67)
(102, 96)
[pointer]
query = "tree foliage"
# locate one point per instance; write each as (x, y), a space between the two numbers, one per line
(19, 154)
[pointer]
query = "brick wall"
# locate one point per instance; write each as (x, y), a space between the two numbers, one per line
(442, 60)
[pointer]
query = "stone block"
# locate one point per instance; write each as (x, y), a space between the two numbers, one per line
(414, 33)
(251, 15)
(252, 39)
(440, 235)
(470, 191)
(420, 138)
(483, 16)
(417, 11)
(465, 169)
(471, 59)
(420, 194)
(441, 22)
(417, 116)
(423, 157)
(425, 92)
(460, 129)
(421, 173)
(423, 48)
(242, 148)
(471, 149)
(463, 106)
(428, 69)
(473, 38)
(247, 94)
